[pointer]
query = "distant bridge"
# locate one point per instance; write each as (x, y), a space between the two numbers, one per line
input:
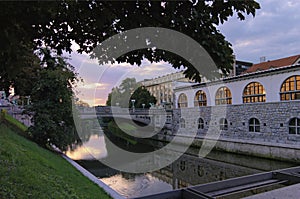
(154, 116)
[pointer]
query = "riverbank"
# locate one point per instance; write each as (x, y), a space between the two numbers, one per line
(29, 171)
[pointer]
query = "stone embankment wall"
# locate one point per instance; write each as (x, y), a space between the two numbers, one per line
(273, 140)
(273, 117)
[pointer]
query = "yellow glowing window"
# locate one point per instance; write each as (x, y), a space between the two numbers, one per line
(290, 88)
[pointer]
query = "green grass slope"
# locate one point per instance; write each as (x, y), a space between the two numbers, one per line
(29, 171)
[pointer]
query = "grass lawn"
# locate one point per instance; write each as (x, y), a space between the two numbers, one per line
(29, 171)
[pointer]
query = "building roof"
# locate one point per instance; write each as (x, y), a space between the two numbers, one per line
(287, 61)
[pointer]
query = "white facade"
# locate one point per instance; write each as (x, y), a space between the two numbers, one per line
(271, 80)
(162, 87)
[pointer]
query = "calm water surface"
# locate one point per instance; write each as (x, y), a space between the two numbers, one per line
(187, 170)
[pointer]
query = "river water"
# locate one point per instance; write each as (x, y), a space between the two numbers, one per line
(188, 170)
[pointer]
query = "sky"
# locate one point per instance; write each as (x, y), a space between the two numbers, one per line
(273, 33)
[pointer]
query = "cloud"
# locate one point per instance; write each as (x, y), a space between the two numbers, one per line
(272, 33)
(93, 86)
(152, 71)
(92, 101)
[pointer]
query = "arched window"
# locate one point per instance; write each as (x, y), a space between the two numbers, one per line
(290, 88)
(200, 123)
(200, 98)
(294, 126)
(182, 101)
(254, 92)
(223, 96)
(223, 124)
(182, 123)
(254, 125)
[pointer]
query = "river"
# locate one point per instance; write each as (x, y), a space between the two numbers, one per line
(188, 170)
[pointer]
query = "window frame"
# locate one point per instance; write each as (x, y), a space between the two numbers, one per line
(290, 88)
(198, 101)
(223, 124)
(254, 92)
(182, 123)
(182, 104)
(200, 123)
(223, 96)
(254, 125)
(296, 127)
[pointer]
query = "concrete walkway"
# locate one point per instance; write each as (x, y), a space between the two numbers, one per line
(289, 192)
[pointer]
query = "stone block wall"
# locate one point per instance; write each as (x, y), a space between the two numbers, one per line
(274, 120)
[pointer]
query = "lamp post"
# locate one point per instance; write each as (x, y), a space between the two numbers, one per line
(132, 101)
(143, 106)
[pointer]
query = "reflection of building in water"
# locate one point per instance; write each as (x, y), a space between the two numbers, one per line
(192, 170)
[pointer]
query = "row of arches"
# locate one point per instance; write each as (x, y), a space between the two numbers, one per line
(252, 93)
(253, 125)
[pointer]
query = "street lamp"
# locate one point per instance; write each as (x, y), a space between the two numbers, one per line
(143, 106)
(132, 101)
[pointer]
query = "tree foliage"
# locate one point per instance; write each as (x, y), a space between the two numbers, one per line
(56, 24)
(142, 96)
(129, 89)
(51, 106)
(113, 96)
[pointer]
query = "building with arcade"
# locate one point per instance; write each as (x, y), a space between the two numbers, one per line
(260, 105)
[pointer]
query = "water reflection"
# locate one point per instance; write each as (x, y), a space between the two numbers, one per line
(188, 170)
(93, 149)
(136, 185)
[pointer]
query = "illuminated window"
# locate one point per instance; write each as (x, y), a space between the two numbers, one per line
(200, 98)
(294, 126)
(223, 96)
(223, 124)
(254, 125)
(182, 101)
(290, 88)
(254, 92)
(200, 123)
(182, 123)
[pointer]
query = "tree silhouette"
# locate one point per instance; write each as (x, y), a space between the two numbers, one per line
(27, 26)
(129, 89)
